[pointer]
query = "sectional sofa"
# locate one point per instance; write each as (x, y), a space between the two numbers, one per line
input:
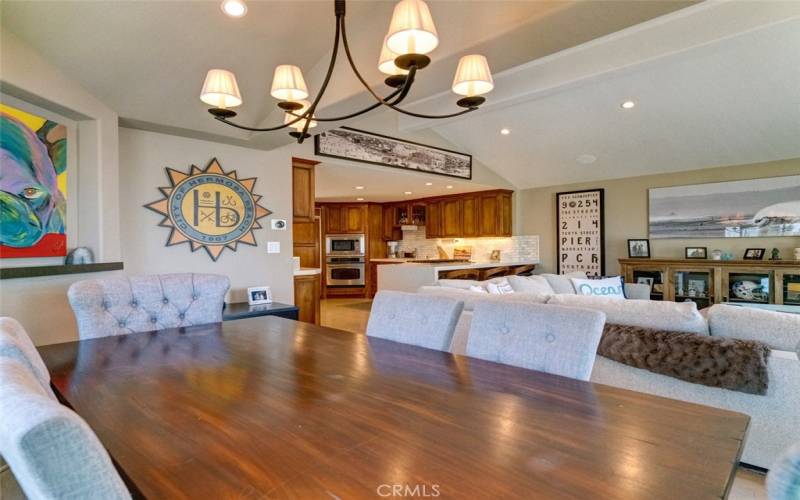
(775, 415)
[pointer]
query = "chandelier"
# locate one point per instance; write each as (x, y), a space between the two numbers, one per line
(411, 36)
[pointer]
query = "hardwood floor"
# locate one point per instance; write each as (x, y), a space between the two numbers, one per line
(352, 315)
(346, 314)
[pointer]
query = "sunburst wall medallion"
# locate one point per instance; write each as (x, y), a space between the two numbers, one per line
(210, 209)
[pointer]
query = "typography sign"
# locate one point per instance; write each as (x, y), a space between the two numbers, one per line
(579, 232)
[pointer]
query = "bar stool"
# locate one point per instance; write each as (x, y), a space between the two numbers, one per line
(460, 274)
(494, 272)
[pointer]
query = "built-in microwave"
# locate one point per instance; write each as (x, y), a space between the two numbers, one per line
(344, 244)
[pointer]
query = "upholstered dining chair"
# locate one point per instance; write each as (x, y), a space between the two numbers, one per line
(118, 306)
(421, 320)
(548, 338)
(783, 480)
(16, 344)
(51, 451)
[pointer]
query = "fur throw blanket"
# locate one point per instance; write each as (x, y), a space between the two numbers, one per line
(738, 365)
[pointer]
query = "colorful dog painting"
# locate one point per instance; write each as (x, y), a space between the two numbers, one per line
(33, 181)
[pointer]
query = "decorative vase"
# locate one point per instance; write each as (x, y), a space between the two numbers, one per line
(797, 254)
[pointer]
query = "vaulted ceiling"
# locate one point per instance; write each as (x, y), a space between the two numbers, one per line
(714, 83)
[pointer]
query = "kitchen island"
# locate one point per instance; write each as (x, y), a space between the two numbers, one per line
(407, 276)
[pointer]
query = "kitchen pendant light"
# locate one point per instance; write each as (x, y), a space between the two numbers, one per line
(412, 34)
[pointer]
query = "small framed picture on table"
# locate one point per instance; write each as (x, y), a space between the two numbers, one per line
(259, 295)
(696, 252)
(639, 249)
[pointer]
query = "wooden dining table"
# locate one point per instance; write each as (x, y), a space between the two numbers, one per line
(273, 408)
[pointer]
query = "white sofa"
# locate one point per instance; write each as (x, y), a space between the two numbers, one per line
(775, 417)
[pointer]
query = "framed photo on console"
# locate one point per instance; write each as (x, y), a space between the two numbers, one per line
(580, 232)
(696, 252)
(259, 295)
(754, 253)
(639, 249)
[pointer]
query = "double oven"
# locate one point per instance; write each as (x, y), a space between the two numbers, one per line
(345, 261)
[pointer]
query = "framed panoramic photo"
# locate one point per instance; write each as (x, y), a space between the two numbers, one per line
(367, 147)
(580, 232)
(735, 209)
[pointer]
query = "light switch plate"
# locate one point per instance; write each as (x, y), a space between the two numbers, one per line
(279, 224)
(273, 247)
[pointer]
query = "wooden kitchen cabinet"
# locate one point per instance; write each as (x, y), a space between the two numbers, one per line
(452, 224)
(391, 231)
(433, 227)
(307, 296)
(334, 221)
(470, 216)
(302, 190)
(355, 218)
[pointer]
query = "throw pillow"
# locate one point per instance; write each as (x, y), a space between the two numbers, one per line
(560, 283)
(478, 289)
(530, 284)
(501, 287)
(607, 287)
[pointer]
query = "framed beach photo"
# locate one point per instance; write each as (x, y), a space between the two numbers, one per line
(259, 295)
(696, 252)
(639, 249)
(754, 253)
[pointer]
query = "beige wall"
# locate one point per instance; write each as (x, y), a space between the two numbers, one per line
(143, 157)
(626, 213)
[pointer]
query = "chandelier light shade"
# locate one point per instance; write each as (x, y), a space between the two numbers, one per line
(288, 83)
(473, 76)
(299, 125)
(411, 35)
(220, 89)
(386, 63)
(411, 30)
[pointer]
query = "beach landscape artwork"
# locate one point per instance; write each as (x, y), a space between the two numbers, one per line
(735, 209)
(357, 145)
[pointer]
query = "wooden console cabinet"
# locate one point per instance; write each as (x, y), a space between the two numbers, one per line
(307, 296)
(708, 282)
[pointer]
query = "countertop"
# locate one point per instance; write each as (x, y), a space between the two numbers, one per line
(307, 271)
(458, 265)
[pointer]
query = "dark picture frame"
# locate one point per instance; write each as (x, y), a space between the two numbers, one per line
(563, 225)
(324, 144)
(700, 253)
(637, 254)
(754, 254)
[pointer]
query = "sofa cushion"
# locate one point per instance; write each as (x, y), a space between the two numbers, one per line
(465, 284)
(477, 289)
(732, 364)
(501, 287)
(561, 283)
(656, 314)
(777, 330)
(606, 287)
(530, 284)
(471, 298)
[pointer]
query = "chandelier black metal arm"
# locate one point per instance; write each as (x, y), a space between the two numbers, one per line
(403, 83)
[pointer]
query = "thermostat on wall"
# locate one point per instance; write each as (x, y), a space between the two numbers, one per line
(278, 224)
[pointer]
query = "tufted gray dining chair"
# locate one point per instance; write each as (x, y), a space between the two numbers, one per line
(52, 452)
(16, 344)
(783, 480)
(118, 306)
(421, 320)
(547, 338)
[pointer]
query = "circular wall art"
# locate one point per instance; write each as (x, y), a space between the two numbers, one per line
(209, 209)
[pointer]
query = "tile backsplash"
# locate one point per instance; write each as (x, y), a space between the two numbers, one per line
(513, 248)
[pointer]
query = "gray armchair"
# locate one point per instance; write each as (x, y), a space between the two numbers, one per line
(118, 306)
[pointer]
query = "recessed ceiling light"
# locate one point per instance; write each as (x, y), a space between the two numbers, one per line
(429, 184)
(586, 159)
(359, 187)
(505, 131)
(359, 199)
(449, 187)
(408, 192)
(628, 105)
(234, 8)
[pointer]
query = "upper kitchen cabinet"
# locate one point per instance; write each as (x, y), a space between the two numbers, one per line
(469, 215)
(494, 213)
(345, 218)
(452, 223)
(433, 227)
(302, 190)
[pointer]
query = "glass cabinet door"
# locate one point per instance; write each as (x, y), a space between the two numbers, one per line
(653, 278)
(753, 287)
(791, 289)
(694, 286)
